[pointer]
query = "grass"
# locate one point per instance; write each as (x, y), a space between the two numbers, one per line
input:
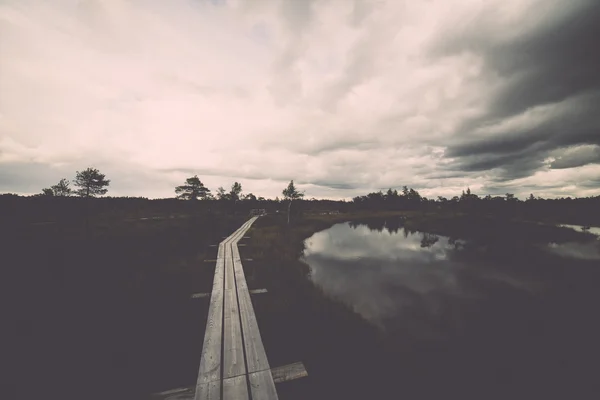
(107, 314)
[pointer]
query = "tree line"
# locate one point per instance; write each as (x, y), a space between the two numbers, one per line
(88, 183)
(194, 189)
(581, 210)
(92, 183)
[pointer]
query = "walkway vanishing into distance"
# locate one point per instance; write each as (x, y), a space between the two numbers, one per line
(234, 363)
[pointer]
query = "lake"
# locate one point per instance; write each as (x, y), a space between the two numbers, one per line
(511, 315)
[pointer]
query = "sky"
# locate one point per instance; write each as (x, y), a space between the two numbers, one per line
(342, 96)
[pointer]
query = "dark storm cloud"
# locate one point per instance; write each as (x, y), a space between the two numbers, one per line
(569, 123)
(554, 61)
(512, 166)
(548, 96)
(577, 157)
(551, 64)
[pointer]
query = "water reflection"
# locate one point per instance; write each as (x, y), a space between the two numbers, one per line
(594, 230)
(584, 251)
(469, 311)
(382, 270)
(589, 250)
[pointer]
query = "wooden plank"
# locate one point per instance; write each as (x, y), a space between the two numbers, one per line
(255, 351)
(233, 356)
(236, 254)
(229, 277)
(289, 372)
(235, 388)
(262, 386)
(205, 295)
(208, 391)
(224, 328)
(256, 291)
(210, 362)
(187, 393)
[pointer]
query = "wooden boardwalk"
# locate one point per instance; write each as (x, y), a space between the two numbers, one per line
(234, 363)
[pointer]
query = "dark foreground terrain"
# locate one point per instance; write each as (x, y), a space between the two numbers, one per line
(105, 311)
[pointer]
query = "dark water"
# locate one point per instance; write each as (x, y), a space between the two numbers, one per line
(522, 316)
(381, 272)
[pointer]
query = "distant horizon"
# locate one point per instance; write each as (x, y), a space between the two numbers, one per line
(308, 197)
(343, 96)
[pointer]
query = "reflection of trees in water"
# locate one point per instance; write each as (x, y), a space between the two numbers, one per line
(429, 239)
(457, 243)
(376, 225)
(393, 225)
(408, 231)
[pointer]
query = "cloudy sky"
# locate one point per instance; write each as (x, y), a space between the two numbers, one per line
(343, 96)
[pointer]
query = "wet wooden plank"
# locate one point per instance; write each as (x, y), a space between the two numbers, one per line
(289, 372)
(262, 386)
(235, 388)
(208, 391)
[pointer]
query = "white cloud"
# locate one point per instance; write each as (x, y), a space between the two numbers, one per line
(323, 92)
